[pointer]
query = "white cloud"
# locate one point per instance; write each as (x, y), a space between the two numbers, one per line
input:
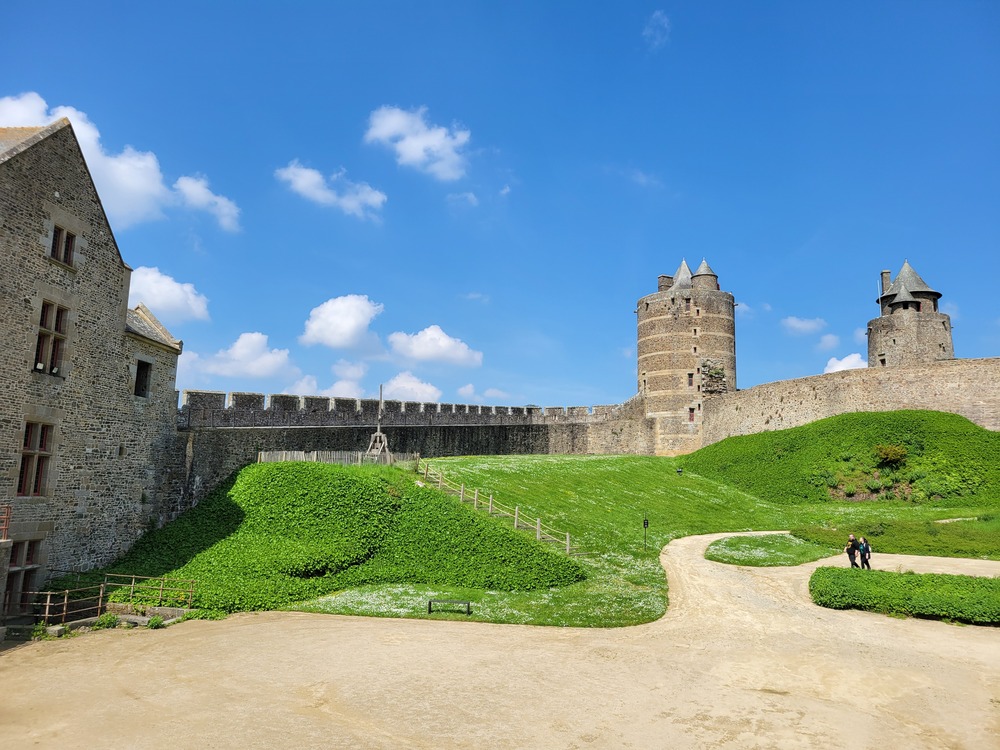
(248, 357)
(828, 341)
(800, 326)
(505, 190)
(433, 344)
(477, 297)
(468, 392)
(307, 386)
(194, 193)
(743, 310)
(170, 300)
(851, 362)
(657, 30)
(349, 370)
(433, 149)
(407, 387)
(463, 199)
(951, 310)
(130, 183)
(860, 335)
(341, 322)
(644, 179)
(353, 198)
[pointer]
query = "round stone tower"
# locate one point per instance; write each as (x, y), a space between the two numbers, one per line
(687, 353)
(910, 330)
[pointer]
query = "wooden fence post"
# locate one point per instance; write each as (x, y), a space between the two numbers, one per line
(160, 602)
(440, 481)
(100, 599)
(461, 493)
(48, 602)
(516, 509)
(491, 504)
(475, 499)
(538, 529)
(567, 542)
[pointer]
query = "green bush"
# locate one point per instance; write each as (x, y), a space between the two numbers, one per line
(155, 622)
(107, 620)
(931, 595)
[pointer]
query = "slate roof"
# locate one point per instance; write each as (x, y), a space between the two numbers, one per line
(910, 280)
(682, 278)
(141, 322)
(704, 269)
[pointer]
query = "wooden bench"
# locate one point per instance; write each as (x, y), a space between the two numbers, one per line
(456, 602)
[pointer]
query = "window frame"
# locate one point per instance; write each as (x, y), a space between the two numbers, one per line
(143, 379)
(50, 343)
(36, 458)
(63, 246)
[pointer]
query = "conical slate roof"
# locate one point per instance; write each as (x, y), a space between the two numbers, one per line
(903, 295)
(910, 280)
(705, 270)
(682, 278)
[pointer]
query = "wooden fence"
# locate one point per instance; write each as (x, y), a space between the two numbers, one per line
(60, 607)
(480, 501)
(347, 458)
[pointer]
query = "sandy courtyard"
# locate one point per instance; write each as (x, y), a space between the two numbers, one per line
(741, 660)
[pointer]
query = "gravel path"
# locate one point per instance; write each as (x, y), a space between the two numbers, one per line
(741, 660)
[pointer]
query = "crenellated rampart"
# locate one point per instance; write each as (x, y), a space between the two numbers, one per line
(216, 409)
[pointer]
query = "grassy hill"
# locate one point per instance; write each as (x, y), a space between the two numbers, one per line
(282, 533)
(369, 541)
(916, 456)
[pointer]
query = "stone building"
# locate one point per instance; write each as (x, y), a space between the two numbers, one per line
(910, 329)
(89, 396)
(686, 353)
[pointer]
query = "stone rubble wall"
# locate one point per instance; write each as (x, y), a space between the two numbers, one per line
(969, 387)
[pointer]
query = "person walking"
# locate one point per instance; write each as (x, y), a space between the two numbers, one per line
(852, 550)
(865, 552)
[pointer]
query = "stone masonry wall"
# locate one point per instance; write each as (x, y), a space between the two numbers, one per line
(969, 387)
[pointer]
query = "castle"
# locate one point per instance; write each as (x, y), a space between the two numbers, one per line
(94, 450)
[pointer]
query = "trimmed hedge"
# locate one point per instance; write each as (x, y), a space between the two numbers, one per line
(932, 595)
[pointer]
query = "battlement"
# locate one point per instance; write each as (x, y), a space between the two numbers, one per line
(201, 409)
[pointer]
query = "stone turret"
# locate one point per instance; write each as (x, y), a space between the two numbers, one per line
(910, 329)
(686, 352)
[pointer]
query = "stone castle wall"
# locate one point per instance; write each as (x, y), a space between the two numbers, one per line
(969, 387)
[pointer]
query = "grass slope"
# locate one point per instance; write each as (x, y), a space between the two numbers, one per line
(947, 460)
(282, 533)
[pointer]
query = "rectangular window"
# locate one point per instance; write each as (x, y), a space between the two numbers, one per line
(687, 304)
(690, 415)
(143, 370)
(695, 331)
(36, 450)
(51, 342)
(63, 245)
(690, 379)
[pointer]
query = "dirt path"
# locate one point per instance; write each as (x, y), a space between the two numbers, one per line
(741, 660)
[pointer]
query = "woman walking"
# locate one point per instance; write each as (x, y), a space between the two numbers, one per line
(865, 552)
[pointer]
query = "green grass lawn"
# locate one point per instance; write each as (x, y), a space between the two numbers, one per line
(368, 541)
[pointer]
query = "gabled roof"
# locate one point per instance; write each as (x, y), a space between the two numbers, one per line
(141, 322)
(15, 140)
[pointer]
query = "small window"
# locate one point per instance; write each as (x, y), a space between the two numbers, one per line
(882, 361)
(63, 245)
(694, 349)
(690, 379)
(691, 415)
(50, 344)
(697, 312)
(36, 450)
(695, 331)
(687, 304)
(143, 370)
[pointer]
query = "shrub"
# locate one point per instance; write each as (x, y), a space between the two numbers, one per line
(155, 622)
(890, 455)
(107, 620)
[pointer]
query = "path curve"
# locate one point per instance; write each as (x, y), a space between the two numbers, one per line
(741, 660)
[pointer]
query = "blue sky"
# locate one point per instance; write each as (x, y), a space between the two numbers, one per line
(463, 201)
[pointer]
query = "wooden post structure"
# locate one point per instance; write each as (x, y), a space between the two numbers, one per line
(567, 542)
(475, 499)
(65, 606)
(461, 493)
(538, 529)
(491, 504)
(516, 509)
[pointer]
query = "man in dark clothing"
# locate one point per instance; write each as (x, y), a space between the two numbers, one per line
(852, 550)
